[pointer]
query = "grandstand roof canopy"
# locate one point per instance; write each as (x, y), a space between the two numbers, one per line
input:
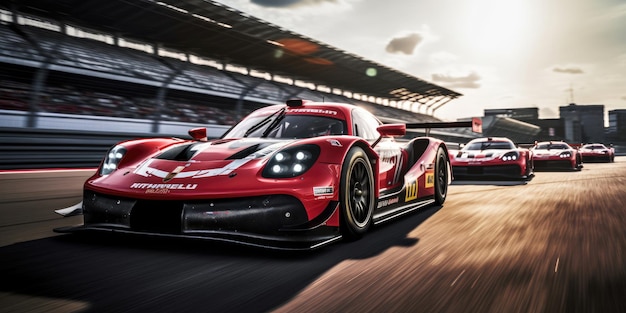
(210, 29)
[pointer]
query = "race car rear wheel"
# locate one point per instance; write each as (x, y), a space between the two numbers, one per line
(356, 194)
(441, 177)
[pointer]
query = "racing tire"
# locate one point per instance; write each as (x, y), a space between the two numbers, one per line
(441, 176)
(530, 169)
(579, 164)
(356, 195)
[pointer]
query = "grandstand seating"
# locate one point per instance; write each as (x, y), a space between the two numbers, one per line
(15, 46)
(88, 95)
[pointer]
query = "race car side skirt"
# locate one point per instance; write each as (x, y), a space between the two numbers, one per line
(401, 210)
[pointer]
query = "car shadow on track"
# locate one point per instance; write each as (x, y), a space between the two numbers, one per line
(139, 274)
(490, 182)
(377, 240)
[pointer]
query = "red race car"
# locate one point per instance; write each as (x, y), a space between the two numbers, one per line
(597, 152)
(492, 158)
(556, 155)
(295, 176)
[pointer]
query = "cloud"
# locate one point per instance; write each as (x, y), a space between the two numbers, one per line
(468, 81)
(291, 3)
(405, 44)
(568, 70)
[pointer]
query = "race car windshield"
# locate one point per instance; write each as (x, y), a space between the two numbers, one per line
(258, 125)
(551, 146)
(288, 127)
(484, 145)
(593, 147)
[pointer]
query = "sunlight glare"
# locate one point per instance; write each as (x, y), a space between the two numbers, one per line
(500, 26)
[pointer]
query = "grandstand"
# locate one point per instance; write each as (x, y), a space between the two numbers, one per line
(56, 59)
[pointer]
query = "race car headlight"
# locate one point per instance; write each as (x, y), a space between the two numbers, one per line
(112, 159)
(291, 162)
(510, 156)
(565, 155)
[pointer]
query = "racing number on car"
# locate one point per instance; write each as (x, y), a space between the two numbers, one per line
(411, 191)
(430, 180)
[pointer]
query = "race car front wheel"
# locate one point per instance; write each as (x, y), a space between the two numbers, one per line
(356, 194)
(579, 164)
(441, 177)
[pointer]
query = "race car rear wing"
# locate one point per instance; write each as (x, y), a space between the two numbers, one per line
(476, 124)
(398, 129)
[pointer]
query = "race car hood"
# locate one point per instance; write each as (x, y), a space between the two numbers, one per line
(596, 151)
(220, 150)
(482, 154)
(551, 152)
(191, 160)
(205, 159)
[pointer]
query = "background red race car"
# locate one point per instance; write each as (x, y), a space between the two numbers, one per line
(492, 158)
(597, 152)
(556, 155)
(295, 176)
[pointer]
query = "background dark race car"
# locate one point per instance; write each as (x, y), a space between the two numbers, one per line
(556, 155)
(492, 158)
(291, 177)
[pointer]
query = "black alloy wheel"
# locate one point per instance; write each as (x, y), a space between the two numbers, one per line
(356, 194)
(441, 176)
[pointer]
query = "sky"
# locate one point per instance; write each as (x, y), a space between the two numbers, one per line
(497, 53)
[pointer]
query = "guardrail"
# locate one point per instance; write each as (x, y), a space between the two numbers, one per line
(24, 148)
(60, 140)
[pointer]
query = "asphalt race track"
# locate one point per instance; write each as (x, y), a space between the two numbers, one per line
(554, 244)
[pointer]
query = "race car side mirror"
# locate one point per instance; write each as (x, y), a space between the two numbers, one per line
(390, 130)
(198, 134)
